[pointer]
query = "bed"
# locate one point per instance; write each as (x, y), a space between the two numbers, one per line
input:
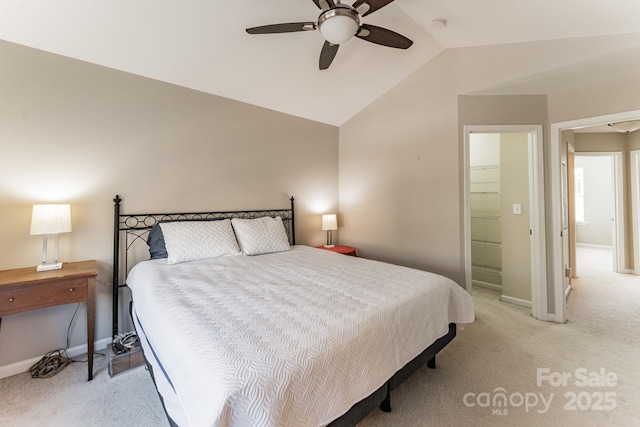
(256, 330)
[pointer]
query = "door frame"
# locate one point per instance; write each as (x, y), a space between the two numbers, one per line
(634, 156)
(571, 193)
(537, 210)
(560, 311)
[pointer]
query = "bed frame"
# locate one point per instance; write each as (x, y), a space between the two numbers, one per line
(131, 228)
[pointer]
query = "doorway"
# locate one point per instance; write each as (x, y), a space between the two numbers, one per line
(596, 214)
(535, 240)
(557, 150)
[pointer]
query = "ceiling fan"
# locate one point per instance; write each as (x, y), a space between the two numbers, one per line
(338, 23)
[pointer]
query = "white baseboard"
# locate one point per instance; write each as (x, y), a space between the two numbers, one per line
(486, 285)
(591, 245)
(24, 365)
(516, 301)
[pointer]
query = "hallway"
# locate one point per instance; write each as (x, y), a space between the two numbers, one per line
(599, 292)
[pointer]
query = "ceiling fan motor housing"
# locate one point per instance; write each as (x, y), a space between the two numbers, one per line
(340, 24)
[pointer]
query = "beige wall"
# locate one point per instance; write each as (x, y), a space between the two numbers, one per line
(401, 158)
(634, 141)
(600, 142)
(78, 133)
(399, 175)
(516, 245)
(609, 96)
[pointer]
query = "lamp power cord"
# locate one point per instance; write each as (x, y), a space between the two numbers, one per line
(56, 360)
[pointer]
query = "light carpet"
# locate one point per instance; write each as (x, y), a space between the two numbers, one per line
(502, 354)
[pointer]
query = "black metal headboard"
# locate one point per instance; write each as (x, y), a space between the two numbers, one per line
(136, 227)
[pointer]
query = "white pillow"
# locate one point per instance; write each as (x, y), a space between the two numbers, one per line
(261, 235)
(194, 240)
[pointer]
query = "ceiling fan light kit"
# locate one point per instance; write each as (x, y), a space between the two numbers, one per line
(626, 127)
(338, 23)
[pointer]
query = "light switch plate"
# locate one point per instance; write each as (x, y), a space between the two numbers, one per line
(517, 209)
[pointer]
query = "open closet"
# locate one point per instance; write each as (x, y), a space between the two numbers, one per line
(486, 217)
(500, 214)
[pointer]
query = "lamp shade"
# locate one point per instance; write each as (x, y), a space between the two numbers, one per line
(329, 222)
(50, 219)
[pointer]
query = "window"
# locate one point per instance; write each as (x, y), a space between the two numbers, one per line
(579, 192)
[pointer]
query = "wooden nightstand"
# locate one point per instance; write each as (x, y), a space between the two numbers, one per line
(345, 250)
(25, 289)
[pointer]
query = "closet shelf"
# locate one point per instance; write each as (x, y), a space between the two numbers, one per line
(485, 182)
(484, 192)
(484, 167)
(487, 269)
(487, 217)
(486, 243)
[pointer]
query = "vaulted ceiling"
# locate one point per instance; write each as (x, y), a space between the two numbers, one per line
(202, 44)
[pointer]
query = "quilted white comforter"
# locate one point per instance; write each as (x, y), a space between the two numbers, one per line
(287, 339)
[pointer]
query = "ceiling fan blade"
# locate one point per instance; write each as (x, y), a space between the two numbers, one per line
(290, 27)
(367, 7)
(384, 37)
(327, 54)
(324, 4)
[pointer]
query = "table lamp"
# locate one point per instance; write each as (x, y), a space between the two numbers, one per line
(50, 221)
(329, 223)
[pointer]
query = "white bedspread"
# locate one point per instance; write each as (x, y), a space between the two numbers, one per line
(287, 339)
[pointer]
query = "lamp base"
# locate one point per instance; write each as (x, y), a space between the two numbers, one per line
(329, 246)
(47, 267)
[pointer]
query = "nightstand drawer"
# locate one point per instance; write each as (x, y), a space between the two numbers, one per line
(30, 297)
(24, 289)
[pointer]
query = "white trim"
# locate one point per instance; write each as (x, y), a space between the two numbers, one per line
(486, 285)
(24, 365)
(591, 245)
(619, 216)
(516, 301)
(537, 220)
(466, 208)
(635, 207)
(556, 198)
(536, 200)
